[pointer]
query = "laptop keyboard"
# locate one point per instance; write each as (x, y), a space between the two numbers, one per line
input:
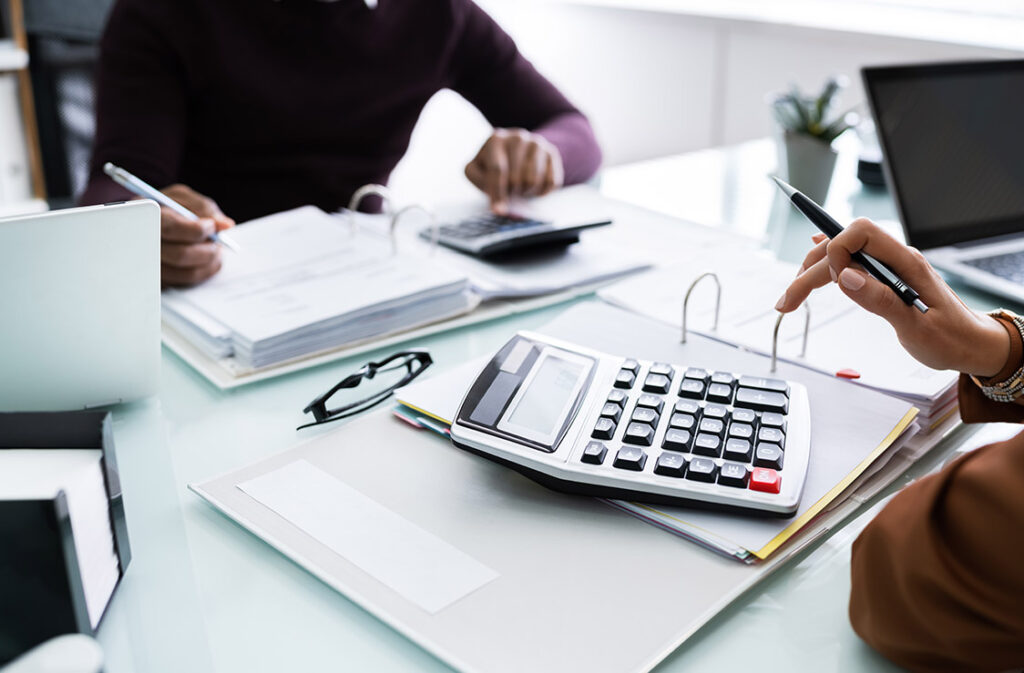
(1009, 266)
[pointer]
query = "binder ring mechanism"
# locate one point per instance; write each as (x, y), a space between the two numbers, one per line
(775, 335)
(385, 194)
(718, 299)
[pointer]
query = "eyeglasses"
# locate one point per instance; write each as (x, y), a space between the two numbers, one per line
(396, 371)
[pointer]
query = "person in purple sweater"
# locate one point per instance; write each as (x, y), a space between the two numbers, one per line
(243, 108)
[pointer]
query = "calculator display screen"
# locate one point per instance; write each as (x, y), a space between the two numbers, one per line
(541, 407)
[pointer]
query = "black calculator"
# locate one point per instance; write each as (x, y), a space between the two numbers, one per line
(489, 234)
(581, 421)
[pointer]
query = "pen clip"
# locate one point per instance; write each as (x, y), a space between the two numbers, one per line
(718, 299)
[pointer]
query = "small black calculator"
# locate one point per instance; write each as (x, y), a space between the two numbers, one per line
(490, 234)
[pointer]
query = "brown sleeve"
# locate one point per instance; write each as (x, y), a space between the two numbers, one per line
(938, 576)
(975, 407)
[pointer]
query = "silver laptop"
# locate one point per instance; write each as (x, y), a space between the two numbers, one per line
(952, 135)
(80, 307)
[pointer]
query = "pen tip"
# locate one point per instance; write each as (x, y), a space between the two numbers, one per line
(785, 187)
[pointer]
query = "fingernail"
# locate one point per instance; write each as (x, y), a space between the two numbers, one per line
(832, 272)
(781, 303)
(851, 279)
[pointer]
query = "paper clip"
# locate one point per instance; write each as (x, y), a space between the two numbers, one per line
(435, 230)
(718, 299)
(368, 190)
(775, 335)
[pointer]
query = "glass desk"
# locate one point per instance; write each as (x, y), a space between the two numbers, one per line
(202, 594)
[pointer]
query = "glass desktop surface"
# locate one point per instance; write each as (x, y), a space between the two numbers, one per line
(203, 594)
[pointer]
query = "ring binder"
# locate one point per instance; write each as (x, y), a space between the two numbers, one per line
(435, 230)
(775, 335)
(357, 197)
(718, 299)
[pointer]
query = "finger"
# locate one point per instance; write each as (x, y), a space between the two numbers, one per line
(876, 297)
(816, 254)
(864, 235)
(515, 151)
(533, 170)
(187, 255)
(818, 238)
(180, 229)
(552, 170)
(201, 205)
(475, 174)
(178, 276)
(496, 177)
(814, 277)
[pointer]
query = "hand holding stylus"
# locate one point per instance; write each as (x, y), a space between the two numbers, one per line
(948, 336)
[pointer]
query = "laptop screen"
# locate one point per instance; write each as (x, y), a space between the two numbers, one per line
(952, 135)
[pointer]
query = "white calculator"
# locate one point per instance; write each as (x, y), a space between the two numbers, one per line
(581, 421)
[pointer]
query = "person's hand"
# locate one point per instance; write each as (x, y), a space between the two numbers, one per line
(187, 255)
(515, 162)
(948, 336)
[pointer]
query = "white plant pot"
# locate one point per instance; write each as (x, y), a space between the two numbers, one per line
(809, 164)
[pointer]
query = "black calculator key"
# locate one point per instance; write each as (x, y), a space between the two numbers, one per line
(702, 469)
(719, 392)
(603, 429)
(651, 401)
(723, 377)
(696, 373)
(677, 440)
(707, 445)
(657, 383)
(618, 397)
(741, 430)
(670, 464)
(712, 426)
(632, 365)
(630, 458)
(645, 415)
(715, 411)
(663, 369)
(682, 421)
(739, 450)
(743, 416)
(692, 388)
(768, 455)
(774, 385)
(639, 433)
(762, 400)
(625, 379)
(687, 407)
(733, 474)
(612, 411)
(594, 453)
(770, 420)
(771, 435)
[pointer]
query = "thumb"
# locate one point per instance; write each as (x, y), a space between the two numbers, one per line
(874, 296)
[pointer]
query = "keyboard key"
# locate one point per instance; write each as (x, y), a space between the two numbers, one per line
(651, 401)
(632, 365)
(774, 385)
(766, 480)
(677, 440)
(733, 474)
(645, 415)
(663, 369)
(712, 426)
(702, 469)
(743, 416)
(707, 445)
(691, 388)
(772, 435)
(603, 429)
(618, 397)
(625, 379)
(719, 392)
(741, 430)
(697, 374)
(657, 383)
(639, 433)
(768, 455)
(687, 407)
(739, 450)
(670, 464)
(770, 420)
(594, 453)
(761, 400)
(723, 377)
(682, 421)
(612, 411)
(630, 458)
(715, 411)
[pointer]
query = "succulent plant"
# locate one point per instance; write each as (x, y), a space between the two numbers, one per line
(813, 117)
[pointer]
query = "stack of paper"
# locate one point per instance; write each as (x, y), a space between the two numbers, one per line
(304, 282)
(843, 339)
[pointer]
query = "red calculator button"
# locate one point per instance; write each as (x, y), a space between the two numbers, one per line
(765, 479)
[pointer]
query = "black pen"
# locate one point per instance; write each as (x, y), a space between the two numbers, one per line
(828, 226)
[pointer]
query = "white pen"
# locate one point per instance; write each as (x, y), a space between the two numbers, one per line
(139, 186)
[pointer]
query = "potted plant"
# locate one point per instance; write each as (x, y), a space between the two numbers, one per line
(809, 128)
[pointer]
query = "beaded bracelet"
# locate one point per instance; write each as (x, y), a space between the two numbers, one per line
(1013, 387)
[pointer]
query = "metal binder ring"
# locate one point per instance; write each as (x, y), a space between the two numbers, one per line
(718, 299)
(775, 335)
(367, 190)
(435, 232)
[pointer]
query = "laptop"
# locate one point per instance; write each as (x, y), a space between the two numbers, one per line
(80, 300)
(952, 136)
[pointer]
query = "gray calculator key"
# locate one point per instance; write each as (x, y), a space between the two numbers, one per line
(645, 415)
(677, 440)
(774, 385)
(770, 420)
(739, 450)
(603, 429)
(715, 411)
(682, 421)
(657, 383)
(670, 464)
(612, 411)
(768, 455)
(687, 407)
(663, 369)
(723, 377)
(733, 474)
(762, 400)
(744, 416)
(651, 401)
(692, 388)
(741, 430)
(707, 445)
(625, 379)
(618, 397)
(712, 426)
(632, 365)
(594, 453)
(630, 458)
(772, 435)
(719, 392)
(639, 433)
(696, 373)
(702, 469)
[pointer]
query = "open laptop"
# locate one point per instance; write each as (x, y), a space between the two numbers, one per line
(952, 135)
(80, 307)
